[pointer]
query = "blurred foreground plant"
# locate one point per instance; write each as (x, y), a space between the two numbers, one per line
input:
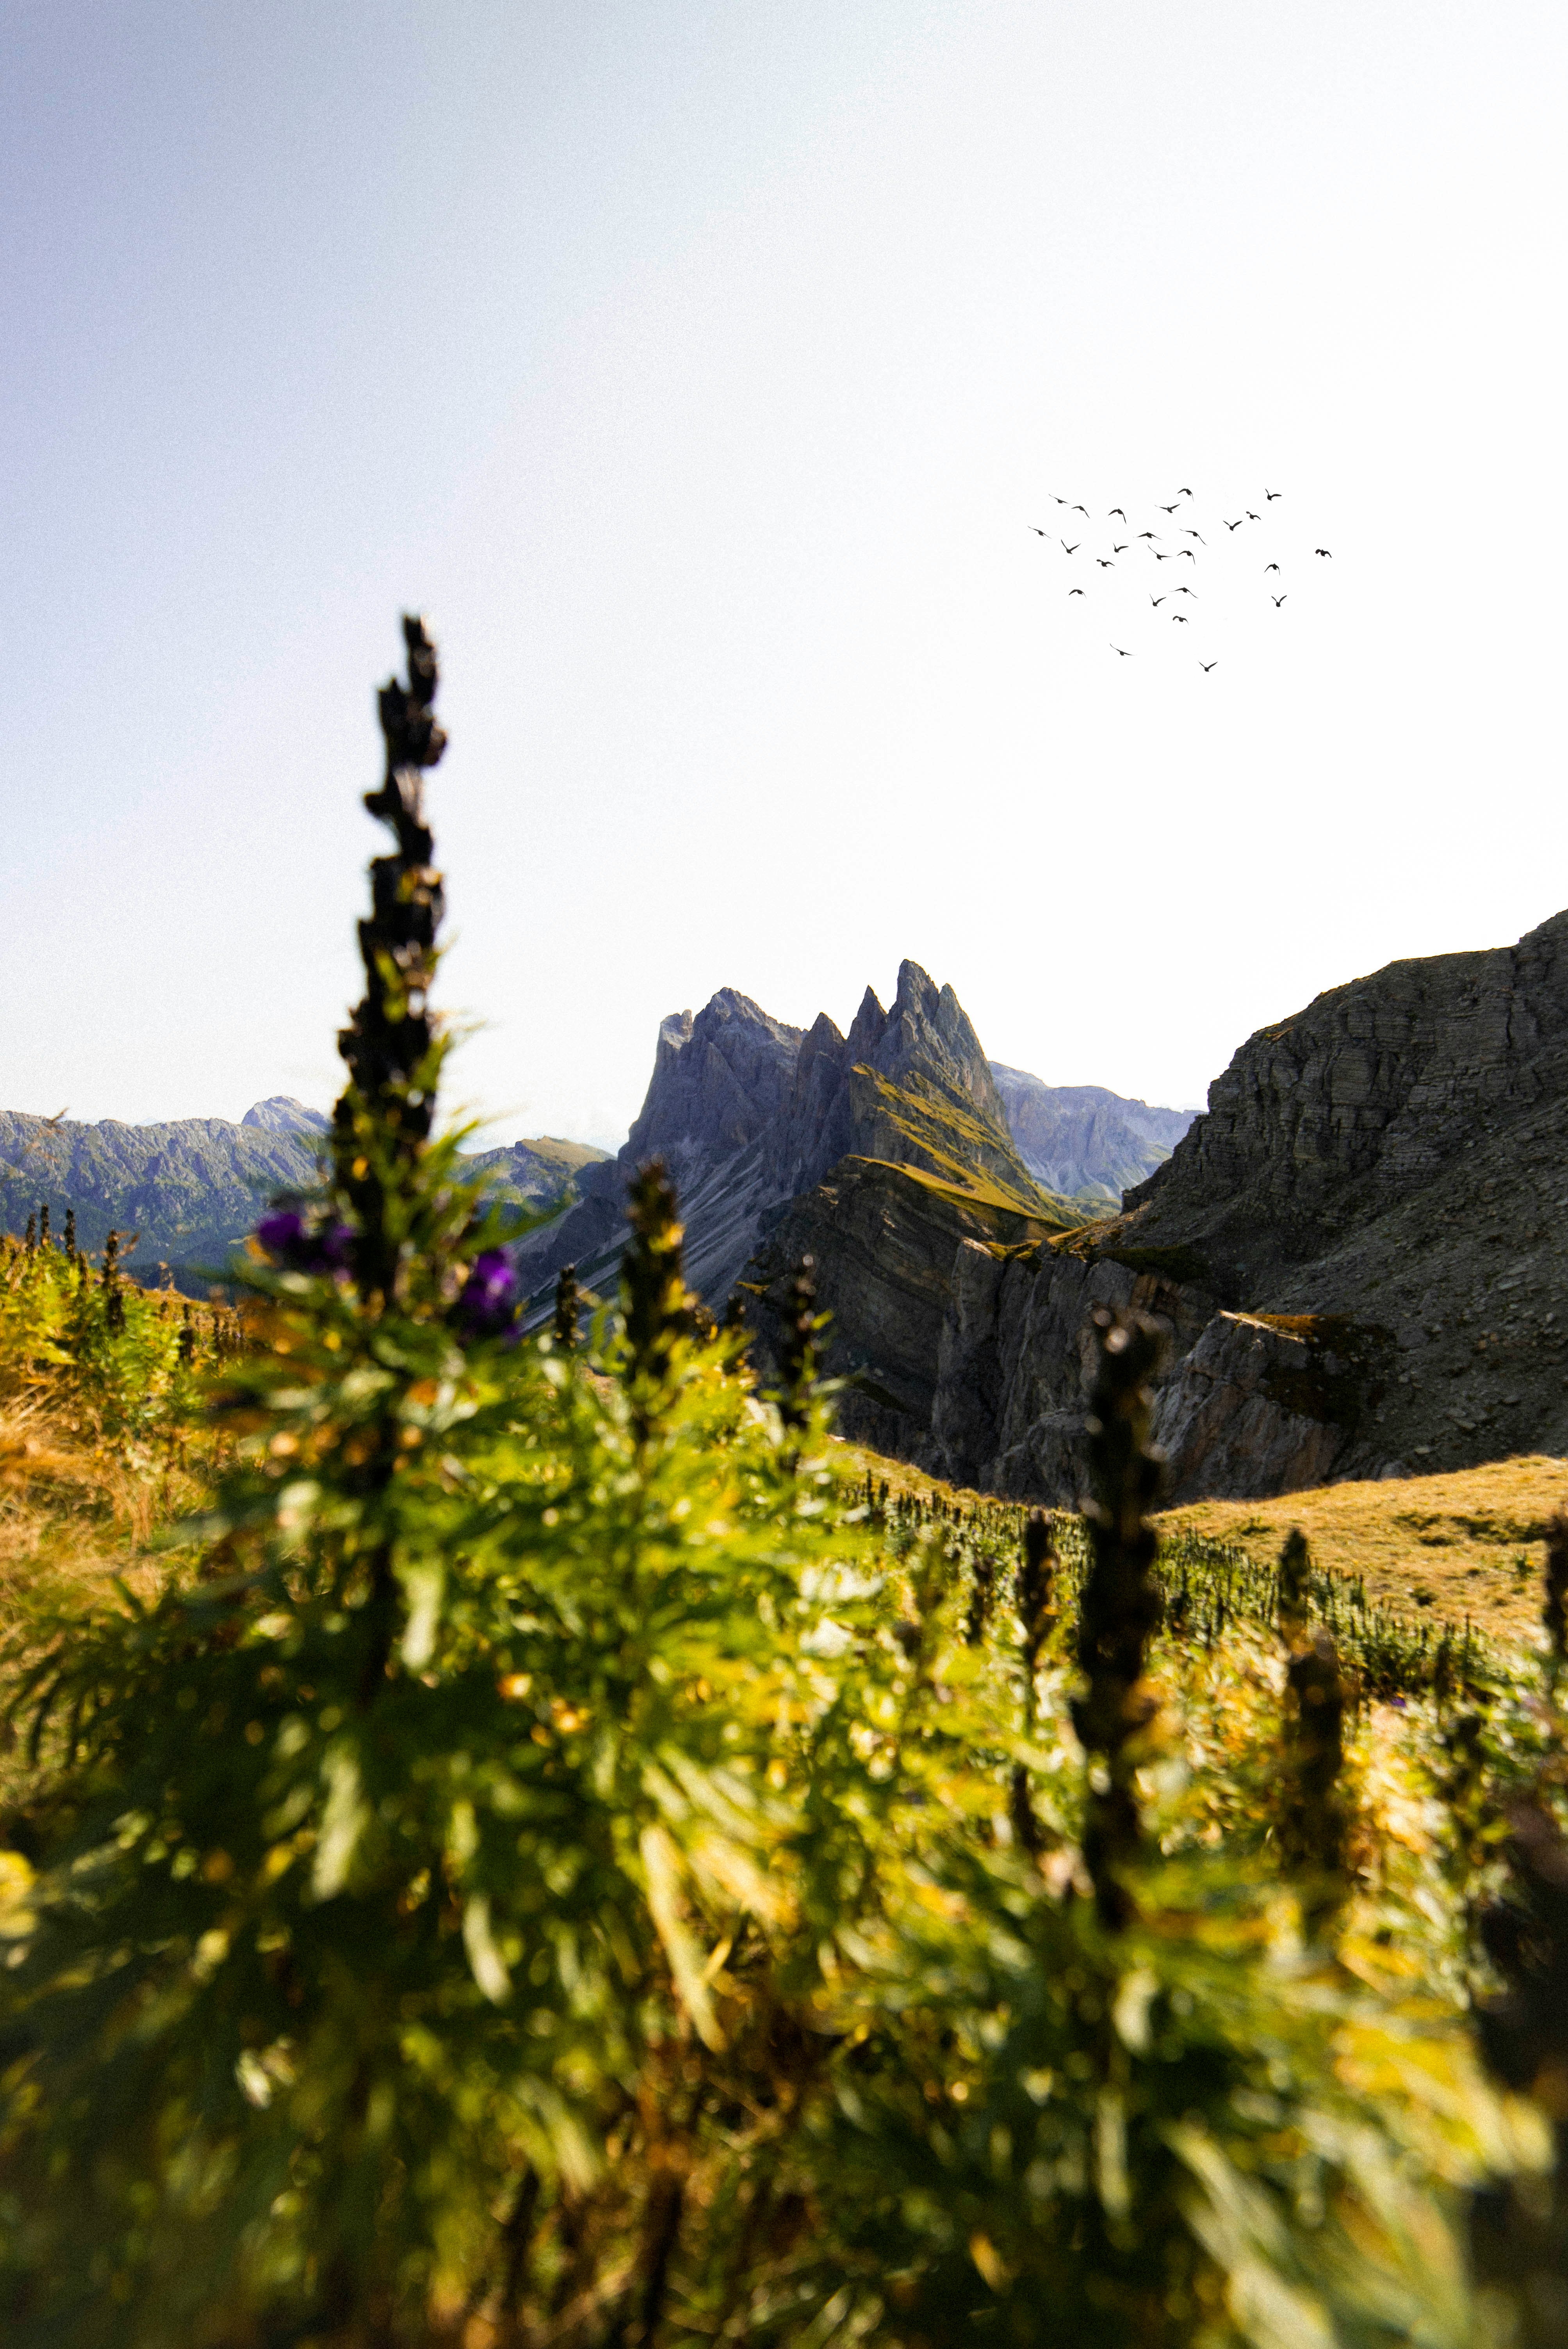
(402, 1864)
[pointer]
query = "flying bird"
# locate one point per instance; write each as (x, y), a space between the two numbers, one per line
(1322, 550)
(1268, 567)
(1082, 510)
(1207, 666)
(1157, 601)
(1234, 525)
(1188, 590)
(1252, 516)
(1186, 551)
(1121, 549)
(1038, 531)
(1270, 495)
(1104, 563)
(1075, 591)
(1072, 549)
(1183, 493)
(1279, 600)
(1181, 616)
(1122, 650)
(1169, 509)
(1149, 533)
(1196, 534)
(1115, 510)
(1154, 550)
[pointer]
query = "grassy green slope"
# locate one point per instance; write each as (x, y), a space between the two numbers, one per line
(923, 1129)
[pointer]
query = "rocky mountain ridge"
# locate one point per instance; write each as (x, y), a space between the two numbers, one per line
(192, 1188)
(1361, 1249)
(748, 1113)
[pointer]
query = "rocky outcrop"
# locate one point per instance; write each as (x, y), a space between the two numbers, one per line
(1008, 1411)
(1083, 1141)
(1328, 1120)
(884, 1240)
(1259, 1407)
(1362, 1249)
(750, 1115)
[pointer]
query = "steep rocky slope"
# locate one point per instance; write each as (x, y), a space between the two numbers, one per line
(1363, 1247)
(749, 1115)
(884, 1241)
(1083, 1142)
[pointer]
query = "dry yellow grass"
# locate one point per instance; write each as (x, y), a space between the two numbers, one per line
(74, 1509)
(1471, 1543)
(1466, 1543)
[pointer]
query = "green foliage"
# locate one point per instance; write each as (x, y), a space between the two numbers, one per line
(99, 1347)
(559, 1862)
(670, 1849)
(936, 1136)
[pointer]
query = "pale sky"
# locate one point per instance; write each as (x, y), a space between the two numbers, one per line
(699, 370)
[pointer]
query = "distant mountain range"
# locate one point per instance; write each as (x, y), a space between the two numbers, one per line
(1359, 1250)
(192, 1188)
(1083, 1141)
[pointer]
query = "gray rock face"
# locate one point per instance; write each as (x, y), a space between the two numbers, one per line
(1330, 1118)
(749, 1114)
(884, 1243)
(1083, 1141)
(1250, 1413)
(719, 1081)
(1247, 1409)
(1014, 1355)
(1379, 1192)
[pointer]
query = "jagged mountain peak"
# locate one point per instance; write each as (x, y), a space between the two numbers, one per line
(747, 1111)
(718, 1077)
(929, 1033)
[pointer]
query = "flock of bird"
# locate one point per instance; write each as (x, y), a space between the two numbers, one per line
(1134, 555)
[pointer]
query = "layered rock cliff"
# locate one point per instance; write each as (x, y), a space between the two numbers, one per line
(1362, 1248)
(884, 1241)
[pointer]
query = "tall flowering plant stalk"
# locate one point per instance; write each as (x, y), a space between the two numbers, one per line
(435, 1830)
(393, 1046)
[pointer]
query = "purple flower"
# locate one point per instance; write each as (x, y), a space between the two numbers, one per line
(299, 1248)
(282, 1231)
(487, 1304)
